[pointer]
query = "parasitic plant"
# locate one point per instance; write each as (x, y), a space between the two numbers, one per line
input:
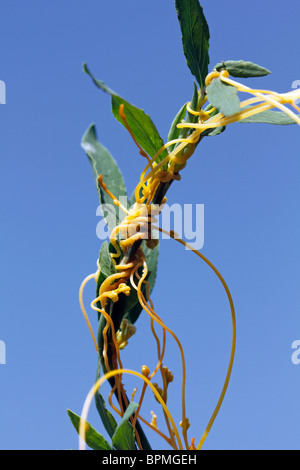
(126, 267)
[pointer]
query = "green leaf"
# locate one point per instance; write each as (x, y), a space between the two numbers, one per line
(144, 441)
(195, 37)
(270, 117)
(105, 260)
(242, 69)
(141, 126)
(131, 300)
(217, 131)
(133, 314)
(194, 105)
(107, 266)
(93, 439)
(151, 259)
(99, 83)
(124, 438)
(182, 133)
(223, 97)
(174, 132)
(107, 418)
(140, 123)
(103, 163)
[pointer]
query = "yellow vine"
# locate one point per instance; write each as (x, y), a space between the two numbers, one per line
(137, 226)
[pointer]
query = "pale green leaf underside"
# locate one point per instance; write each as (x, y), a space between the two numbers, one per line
(270, 117)
(242, 69)
(223, 97)
(103, 163)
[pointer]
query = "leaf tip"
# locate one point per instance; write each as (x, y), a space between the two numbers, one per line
(85, 68)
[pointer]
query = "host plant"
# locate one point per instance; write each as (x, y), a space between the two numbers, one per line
(127, 263)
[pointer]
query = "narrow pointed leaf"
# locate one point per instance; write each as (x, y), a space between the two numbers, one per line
(93, 439)
(107, 418)
(271, 117)
(194, 104)
(242, 69)
(151, 259)
(103, 163)
(107, 266)
(141, 126)
(174, 132)
(140, 123)
(105, 260)
(124, 438)
(223, 97)
(195, 37)
(144, 440)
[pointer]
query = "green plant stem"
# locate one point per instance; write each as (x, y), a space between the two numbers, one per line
(116, 310)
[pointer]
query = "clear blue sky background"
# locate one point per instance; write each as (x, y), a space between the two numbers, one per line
(247, 178)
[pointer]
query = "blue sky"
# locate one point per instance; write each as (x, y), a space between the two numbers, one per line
(247, 178)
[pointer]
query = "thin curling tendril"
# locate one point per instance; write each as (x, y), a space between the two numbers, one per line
(83, 284)
(95, 388)
(137, 226)
(233, 345)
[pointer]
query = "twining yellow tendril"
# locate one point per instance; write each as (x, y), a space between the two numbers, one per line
(184, 147)
(143, 216)
(155, 317)
(83, 284)
(95, 388)
(267, 99)
(138, 225)
(229, 370)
